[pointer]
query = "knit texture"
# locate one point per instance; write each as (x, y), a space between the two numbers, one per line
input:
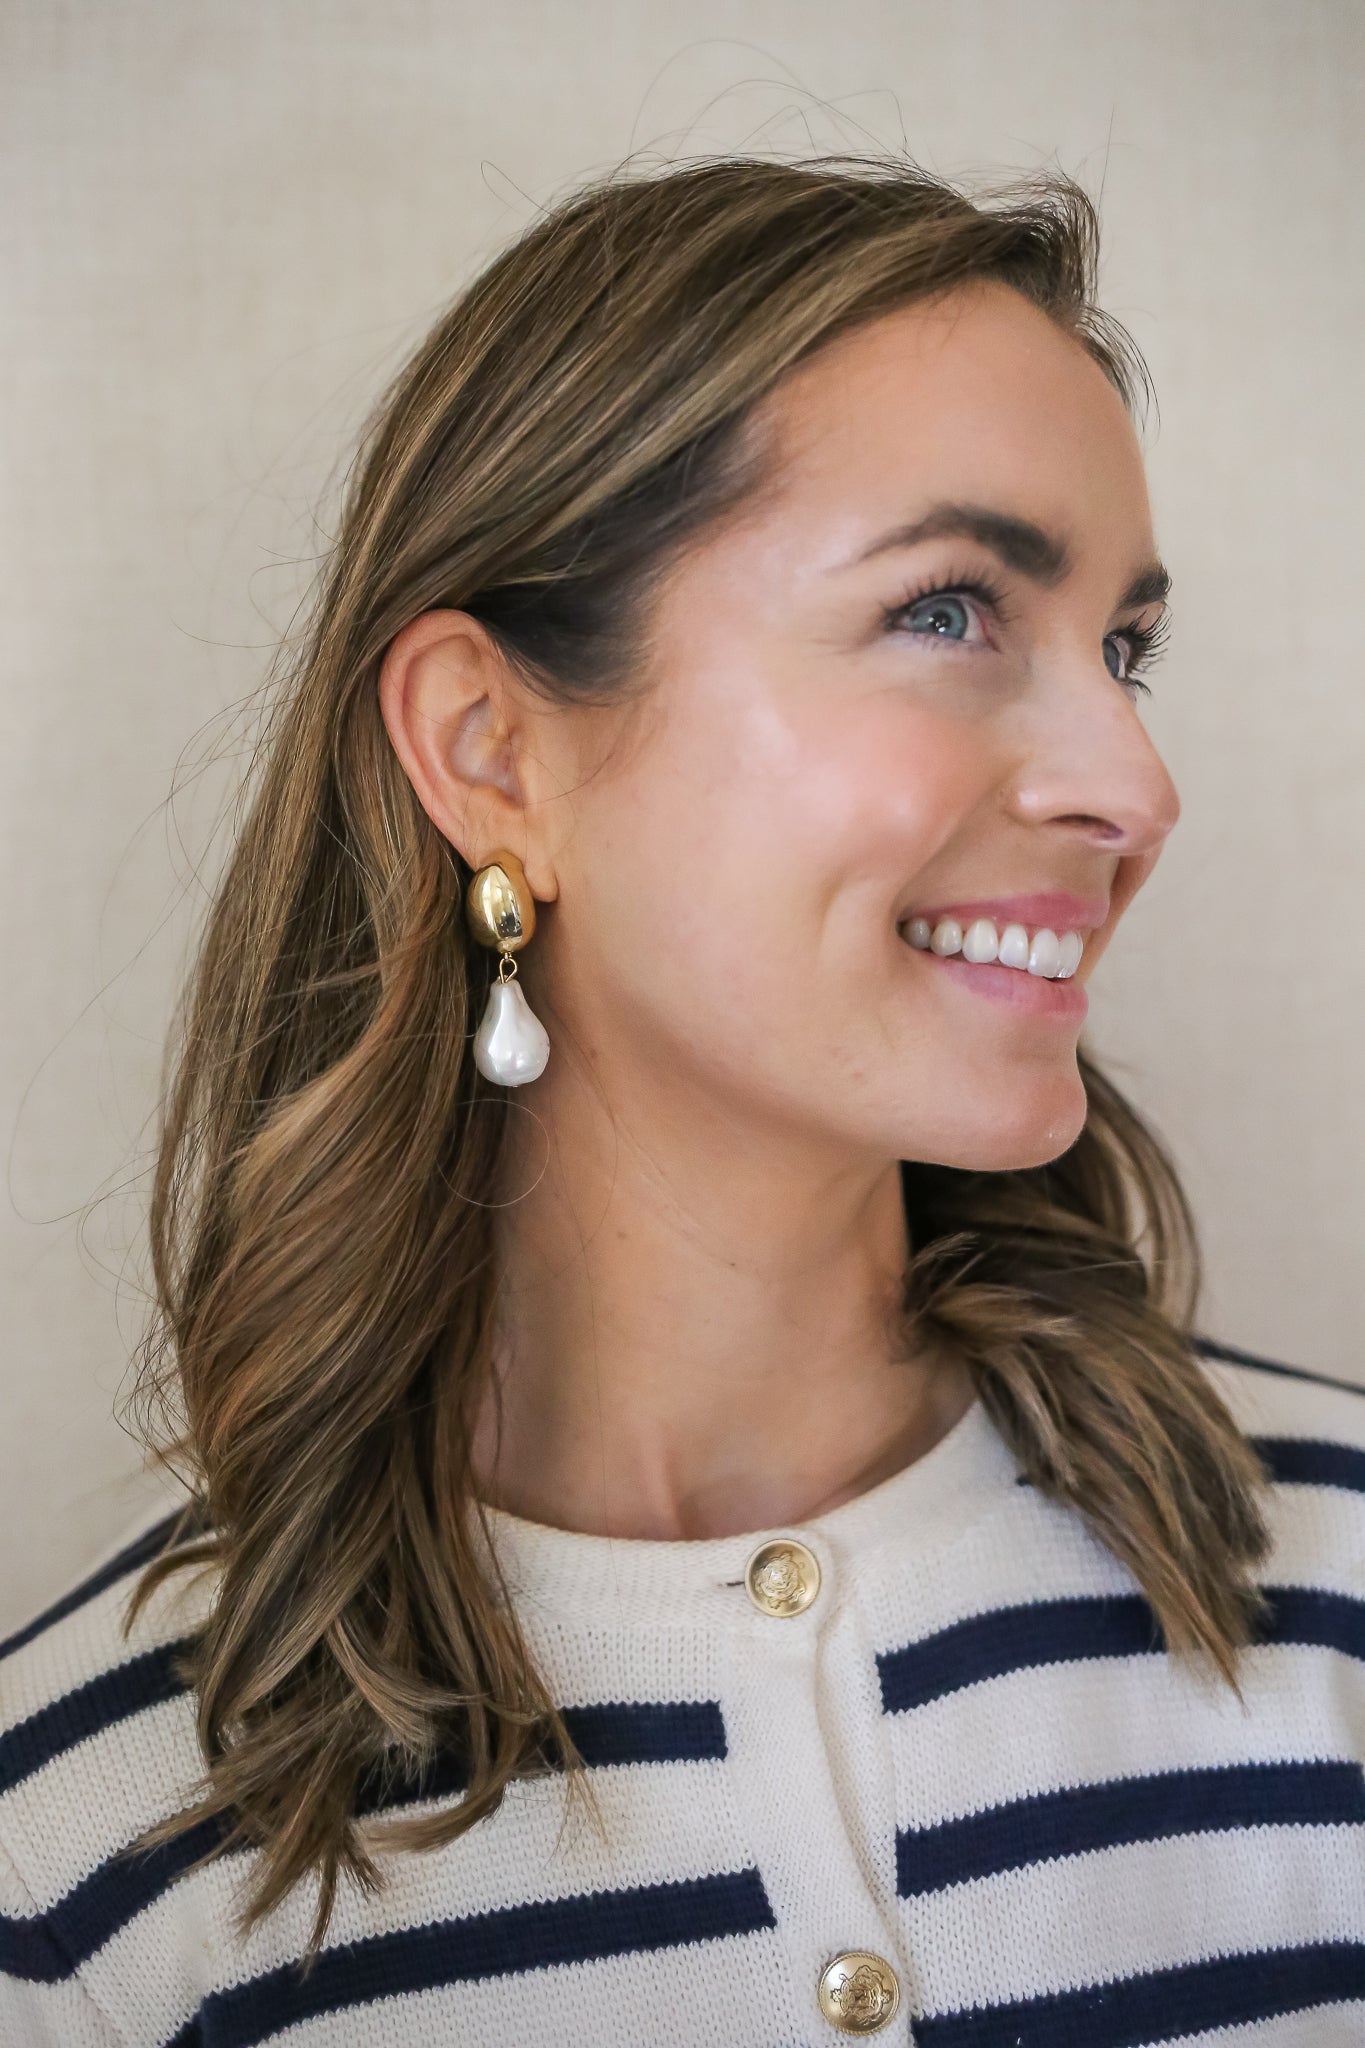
(971, 1755)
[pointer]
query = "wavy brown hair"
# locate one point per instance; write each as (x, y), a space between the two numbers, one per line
(320, 1230)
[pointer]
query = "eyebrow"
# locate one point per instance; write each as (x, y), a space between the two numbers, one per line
(1022, 545)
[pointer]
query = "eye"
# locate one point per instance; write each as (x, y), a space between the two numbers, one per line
(946, 613)
(949, 610)
(946, 618)
(1140, 646)
(1120, 667)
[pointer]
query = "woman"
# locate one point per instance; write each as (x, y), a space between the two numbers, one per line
(710, 1520)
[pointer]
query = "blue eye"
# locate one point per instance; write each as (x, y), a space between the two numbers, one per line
(946, 611)
(939, 616)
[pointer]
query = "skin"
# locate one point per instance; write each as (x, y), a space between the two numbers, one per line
(701, 1231)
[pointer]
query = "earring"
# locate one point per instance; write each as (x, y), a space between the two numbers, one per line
(511, 1044)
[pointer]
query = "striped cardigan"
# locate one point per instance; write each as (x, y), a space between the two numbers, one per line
(970, 1755)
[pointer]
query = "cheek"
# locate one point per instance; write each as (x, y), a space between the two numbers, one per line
(897, 788)
(867, 800)
(757, 847)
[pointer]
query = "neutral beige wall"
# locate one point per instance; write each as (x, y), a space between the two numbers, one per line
(224, 220)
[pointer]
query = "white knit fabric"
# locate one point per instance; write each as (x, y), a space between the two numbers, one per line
(970, 1755)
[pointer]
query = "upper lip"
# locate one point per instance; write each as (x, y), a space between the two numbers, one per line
(1057, 909)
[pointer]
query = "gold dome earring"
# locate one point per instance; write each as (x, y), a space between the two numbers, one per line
(511, 1044)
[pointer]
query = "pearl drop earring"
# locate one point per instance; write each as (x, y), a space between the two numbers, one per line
(511, 1045)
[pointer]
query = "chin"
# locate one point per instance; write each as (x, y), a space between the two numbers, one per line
(1036, 1125)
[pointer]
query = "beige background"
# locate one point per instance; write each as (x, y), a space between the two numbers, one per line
(224, 221)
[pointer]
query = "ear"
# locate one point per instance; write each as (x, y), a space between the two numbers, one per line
(462, 723)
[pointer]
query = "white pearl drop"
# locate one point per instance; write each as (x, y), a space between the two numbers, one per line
(511, 1045)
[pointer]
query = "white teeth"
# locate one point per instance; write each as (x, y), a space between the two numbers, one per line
(979, 943)
(1014, 946)
(1046, 954)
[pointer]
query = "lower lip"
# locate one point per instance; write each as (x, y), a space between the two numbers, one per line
(1033, 995)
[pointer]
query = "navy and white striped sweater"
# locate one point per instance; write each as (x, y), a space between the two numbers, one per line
(970, 1756)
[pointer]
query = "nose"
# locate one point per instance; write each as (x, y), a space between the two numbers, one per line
(1090, 768)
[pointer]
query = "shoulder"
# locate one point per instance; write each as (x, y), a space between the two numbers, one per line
(97, 1744)
(1311, 1423)
(1308, 1429)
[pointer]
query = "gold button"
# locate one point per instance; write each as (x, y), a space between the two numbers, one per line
(783, 1578)
(858, 1992)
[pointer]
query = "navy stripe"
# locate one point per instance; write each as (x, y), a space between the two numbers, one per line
(29, 1950)
(51, 1945)
(1208, 1348)
(48, 1946)
(1085, 1626)
(1077, 1819)
(1020, 1638)
(130, 1559)
(582, 1929)
(648, 1732)
(1312, 1461)
(1162, 2005)
(616, 1732)
(143, 1681)
(1302, 1617)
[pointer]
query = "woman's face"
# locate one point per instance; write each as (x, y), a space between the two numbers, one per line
(826, 753)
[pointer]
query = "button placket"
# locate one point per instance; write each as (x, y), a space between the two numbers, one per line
(784, 1777)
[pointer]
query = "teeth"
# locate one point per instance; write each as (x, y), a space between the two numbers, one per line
(979, 943)
(1046, 954)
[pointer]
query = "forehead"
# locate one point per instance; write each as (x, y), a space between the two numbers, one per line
(977, 395)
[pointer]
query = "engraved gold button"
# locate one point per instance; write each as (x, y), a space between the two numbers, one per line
(783, 1577)
(858, 1992)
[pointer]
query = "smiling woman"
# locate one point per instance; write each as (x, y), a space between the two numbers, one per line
(731, 1365)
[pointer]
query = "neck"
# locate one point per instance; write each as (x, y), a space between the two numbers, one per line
(697, 1336)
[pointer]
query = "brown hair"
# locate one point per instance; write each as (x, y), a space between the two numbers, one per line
(567, 425)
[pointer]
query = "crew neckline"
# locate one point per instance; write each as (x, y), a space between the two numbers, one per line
(619, 1580)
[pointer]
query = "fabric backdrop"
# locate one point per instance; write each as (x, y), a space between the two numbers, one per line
(224, 222)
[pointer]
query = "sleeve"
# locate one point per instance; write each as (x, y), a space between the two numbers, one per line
(43, 2003)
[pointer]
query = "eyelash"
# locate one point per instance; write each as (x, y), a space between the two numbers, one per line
(1146, 642)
